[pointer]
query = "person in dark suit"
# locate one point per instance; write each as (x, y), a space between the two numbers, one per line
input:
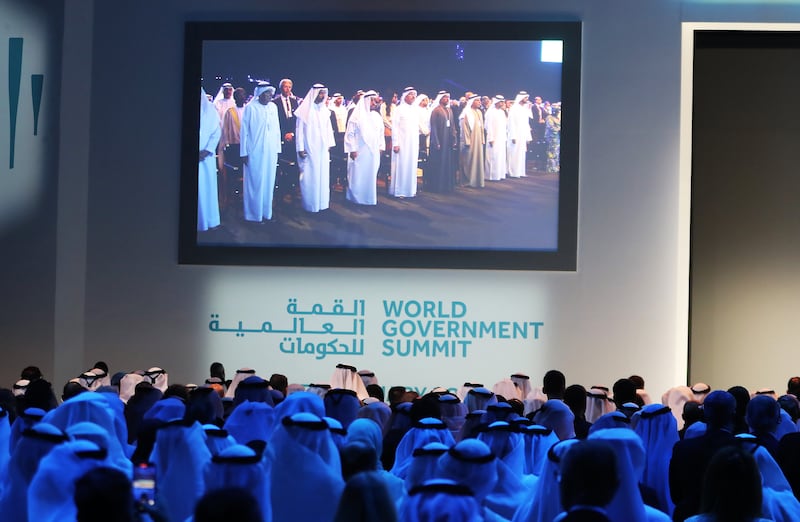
(690, 457)
(287, 104)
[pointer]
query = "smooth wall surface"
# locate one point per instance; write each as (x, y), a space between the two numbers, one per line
(30, 38)
(623, 311)
(615, 316)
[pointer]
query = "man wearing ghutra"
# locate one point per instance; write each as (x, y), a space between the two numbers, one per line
(519, 135)
(363, 142)
(496, 131)
(207, 201)
(259, 147)
(441, 169)
(314, 140)
(405, 146)
(472, 140)
(224, 100)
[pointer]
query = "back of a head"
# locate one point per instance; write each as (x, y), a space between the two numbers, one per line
(395, 394)
(793, 386)
(217, 370)
(637, 381)
(375, 390)
(763, 414)
(356, 457)
(575, 398)
(719, 408)
(366, 499)
(554, 383)
(104, 495)
(31, 373)
(279, 382)
(732, 486)
(589, 474)
(624, 391)
(227, 504)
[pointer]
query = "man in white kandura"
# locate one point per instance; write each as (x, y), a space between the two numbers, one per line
(210, 131)
(496, 130)
(519, 135)
(405, 146)
(260, 135)
(364, 142)
(314, 138)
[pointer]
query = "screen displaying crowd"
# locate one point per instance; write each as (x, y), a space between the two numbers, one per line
(274, 149)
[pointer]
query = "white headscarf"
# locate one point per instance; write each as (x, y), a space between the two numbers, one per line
(346, 377)
(438, 98)
(127, 386)
(545, 503)
(209, 120)
(422, 432)
(778, 502)
(361, 116)
(263, 87)
(675, 398)
(52, 490)
(659, 432)
(598, 403)
(441, 499)
(468, 113)
(240, 467)
(627, 503)
(303, 110)
(306, 476)
(220, 93)
(506, 388)
(523, 384)
(241, 374)
(158, 376)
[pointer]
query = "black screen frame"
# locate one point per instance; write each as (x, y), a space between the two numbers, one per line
(564, 258)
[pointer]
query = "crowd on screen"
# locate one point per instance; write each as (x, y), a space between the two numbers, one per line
(270, 142)
(252, 448)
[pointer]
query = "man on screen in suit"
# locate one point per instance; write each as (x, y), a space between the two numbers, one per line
(287, 103)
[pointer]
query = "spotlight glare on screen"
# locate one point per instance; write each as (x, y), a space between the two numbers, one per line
(552, 51)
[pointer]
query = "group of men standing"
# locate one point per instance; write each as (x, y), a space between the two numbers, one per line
(479, 141)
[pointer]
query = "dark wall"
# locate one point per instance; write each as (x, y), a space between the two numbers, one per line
(745, 282)
(29, 189)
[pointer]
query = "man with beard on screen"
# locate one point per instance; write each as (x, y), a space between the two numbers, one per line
(260, 142)
(405, 146)
(363, 142)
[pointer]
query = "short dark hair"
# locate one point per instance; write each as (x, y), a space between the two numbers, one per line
(104, 495)
(375, 390)
(554, 383)
(31, 373)
(793, 386)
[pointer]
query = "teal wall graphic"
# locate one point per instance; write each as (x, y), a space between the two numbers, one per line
(14, 85)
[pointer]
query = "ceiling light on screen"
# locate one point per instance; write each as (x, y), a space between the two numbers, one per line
(552, 51)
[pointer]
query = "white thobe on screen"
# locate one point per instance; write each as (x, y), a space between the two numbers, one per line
(365, 137)
(260, 136)
(496, 130)
(519, 134)
(314, 136)
(207, 200)
(405, 134)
